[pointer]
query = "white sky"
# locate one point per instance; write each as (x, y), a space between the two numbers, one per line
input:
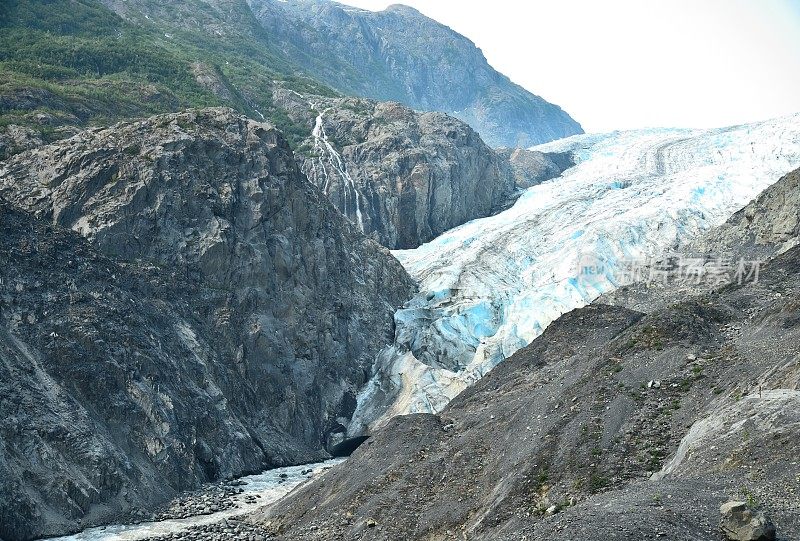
(617, 64)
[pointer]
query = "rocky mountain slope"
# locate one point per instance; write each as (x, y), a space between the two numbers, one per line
(765, 227)
(768, 225)
(71, 64)
(401, 55)
(92, 63)
(226, 327)
(613, 424)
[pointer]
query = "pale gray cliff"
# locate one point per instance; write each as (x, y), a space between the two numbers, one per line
(402, 177)
(217, 318)
(401, 55)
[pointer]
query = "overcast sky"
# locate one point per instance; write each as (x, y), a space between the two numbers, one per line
(617, 64)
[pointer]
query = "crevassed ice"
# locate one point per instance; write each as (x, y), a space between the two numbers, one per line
(489, 287)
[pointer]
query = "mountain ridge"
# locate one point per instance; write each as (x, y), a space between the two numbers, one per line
(399, 54)
(146, 59)
(95, 63)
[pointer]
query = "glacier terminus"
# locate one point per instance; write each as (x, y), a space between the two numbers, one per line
(491, 286)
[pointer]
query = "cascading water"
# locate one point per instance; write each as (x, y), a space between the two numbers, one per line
(322, 174)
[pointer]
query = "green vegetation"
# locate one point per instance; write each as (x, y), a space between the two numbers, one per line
(752, 500)
(541, 478)
(598, 482)
(649, 337)
(75, 62)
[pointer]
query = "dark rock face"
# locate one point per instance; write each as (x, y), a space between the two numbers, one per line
(112, 393)
(400, 55)
(769, 224)
(562, 439)
(226, 328)
(531, 167)
(400, 176)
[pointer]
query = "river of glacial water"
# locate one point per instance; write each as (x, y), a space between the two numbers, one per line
(269, 485)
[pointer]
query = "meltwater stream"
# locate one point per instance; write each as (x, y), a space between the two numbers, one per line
(270, 485)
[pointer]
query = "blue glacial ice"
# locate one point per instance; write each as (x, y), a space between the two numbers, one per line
(491, 286)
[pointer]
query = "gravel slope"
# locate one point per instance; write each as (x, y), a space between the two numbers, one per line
(581, 420)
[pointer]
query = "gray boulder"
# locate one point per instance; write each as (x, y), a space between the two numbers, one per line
(742, 523)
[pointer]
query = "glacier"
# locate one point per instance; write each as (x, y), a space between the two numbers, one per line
(492, 285)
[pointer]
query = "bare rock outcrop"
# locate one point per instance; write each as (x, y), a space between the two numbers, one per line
(401, 176)
(218, 319)
(767, 225)
(15, 139)
(531, 167)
